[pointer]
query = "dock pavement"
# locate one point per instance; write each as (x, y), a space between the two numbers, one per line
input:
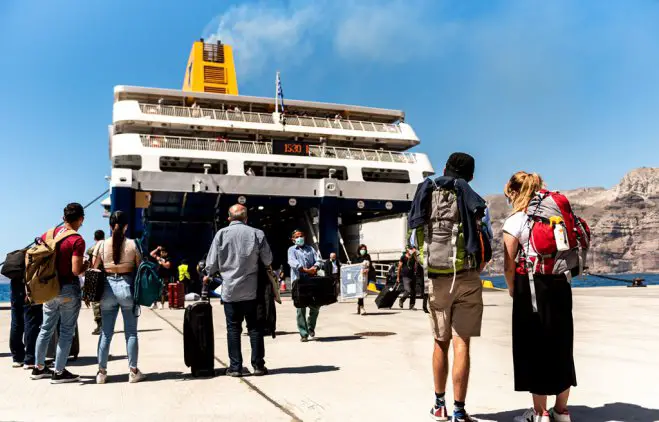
(359, 368)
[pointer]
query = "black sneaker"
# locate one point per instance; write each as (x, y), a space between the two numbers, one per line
(234, 374)
(304, 339)
(259, 372)
(312, 333)
(64, 377)
(38, 374)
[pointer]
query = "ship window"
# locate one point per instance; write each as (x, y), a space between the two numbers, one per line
(386, 175)
(294, 171)
(133, 162)
(193, 165)
(428, 174)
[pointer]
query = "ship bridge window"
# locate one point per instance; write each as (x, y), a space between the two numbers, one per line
(294, 171)
(133, 162)
(386, 175)
(428, 174)
(193, 165)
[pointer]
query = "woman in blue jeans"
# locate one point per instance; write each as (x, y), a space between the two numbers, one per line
(120, 258)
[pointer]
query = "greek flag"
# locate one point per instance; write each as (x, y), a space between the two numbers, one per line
(280, 92)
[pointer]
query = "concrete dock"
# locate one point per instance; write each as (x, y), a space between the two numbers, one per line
(347, 376)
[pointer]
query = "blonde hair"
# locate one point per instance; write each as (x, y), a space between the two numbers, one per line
(521, 188)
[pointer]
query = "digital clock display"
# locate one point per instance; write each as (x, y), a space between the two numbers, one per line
(290, 148)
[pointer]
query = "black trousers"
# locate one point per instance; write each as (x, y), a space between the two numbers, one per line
(409, 284)
(25, 325)
(235, 313)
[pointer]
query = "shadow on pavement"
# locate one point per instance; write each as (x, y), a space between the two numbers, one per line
(151, 377)
(91, 360)
(608, 412)
(313, 369)
(286, 333)
(5, 308)
(337, 338)
(5, 355)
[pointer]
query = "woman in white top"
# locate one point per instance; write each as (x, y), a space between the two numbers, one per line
(119, 257)
(542, 340)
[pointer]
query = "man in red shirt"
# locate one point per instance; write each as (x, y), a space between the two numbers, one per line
(66, 306)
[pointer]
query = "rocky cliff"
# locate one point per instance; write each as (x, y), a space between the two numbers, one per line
(624, 221)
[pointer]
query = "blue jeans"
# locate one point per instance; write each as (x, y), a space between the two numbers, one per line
(25, 324)
(65, 308)
(118, 294)
(235, 313)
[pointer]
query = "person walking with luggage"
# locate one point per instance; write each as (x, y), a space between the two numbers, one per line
(304, 262)
(368, 275)
(408, 273)
(543, 339)
(99, 237)
(165, 271)
(235, 253)
(65, 307)
(446, 218)
(120, 258)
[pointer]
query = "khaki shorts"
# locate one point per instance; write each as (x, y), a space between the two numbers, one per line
(459, 313)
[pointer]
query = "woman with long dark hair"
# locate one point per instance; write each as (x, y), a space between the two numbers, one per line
(120, 258)
(368, 275)
(542, 340)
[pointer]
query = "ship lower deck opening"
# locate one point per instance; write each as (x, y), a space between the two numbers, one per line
(278, 223)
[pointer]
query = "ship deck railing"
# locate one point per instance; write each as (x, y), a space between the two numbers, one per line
(250, 117)
(265, 148)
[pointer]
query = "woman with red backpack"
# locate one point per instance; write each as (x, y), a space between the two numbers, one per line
(539, 256)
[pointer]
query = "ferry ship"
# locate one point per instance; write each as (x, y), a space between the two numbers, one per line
(181, 158)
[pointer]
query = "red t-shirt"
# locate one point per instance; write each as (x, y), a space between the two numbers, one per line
(73, 245)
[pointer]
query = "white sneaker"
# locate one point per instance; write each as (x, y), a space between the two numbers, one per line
(138, 376)
(531, 416)
(559, 417)
(101, 378)
(17, 365)
(154, 306)
(162, 306)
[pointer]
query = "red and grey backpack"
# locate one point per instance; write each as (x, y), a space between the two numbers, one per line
(549, 213)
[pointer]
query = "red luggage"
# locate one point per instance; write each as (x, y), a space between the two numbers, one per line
(176, 295)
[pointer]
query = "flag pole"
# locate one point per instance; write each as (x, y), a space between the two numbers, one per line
(277, 93)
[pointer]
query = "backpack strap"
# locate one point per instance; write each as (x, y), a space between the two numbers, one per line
(63, 235)
(455, 232)
(50, 235)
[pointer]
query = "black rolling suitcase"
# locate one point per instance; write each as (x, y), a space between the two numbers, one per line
(314, 291)
(52, 346)
(387, 297)
(199, 339)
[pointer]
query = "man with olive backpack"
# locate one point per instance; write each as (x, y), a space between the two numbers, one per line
(446, 223)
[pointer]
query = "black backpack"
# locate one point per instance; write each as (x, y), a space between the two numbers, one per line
(14, 267)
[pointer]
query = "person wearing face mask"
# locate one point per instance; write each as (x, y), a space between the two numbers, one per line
(368, 275)
(304, 262)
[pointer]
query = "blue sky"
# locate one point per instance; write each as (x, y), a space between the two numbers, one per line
(568, 89)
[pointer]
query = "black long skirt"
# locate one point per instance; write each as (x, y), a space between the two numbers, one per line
(543, 341)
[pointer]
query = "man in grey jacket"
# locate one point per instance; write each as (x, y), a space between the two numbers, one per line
(235, 253)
